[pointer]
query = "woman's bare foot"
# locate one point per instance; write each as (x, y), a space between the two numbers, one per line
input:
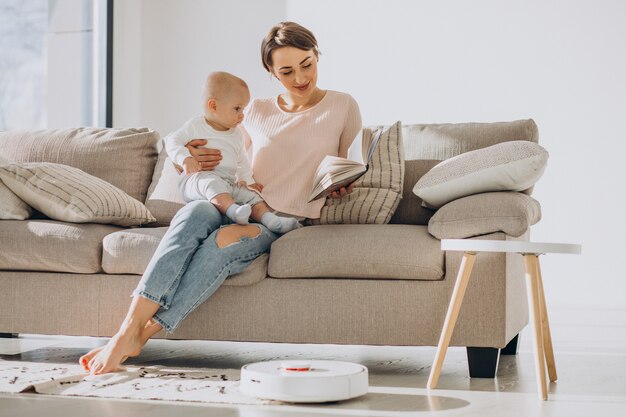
(125, 343)
(151, 327)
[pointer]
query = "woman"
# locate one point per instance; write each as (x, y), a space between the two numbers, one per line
(289, 136)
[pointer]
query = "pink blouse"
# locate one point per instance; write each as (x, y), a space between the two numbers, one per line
(285, 148)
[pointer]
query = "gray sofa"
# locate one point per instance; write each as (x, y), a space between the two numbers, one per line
(340, 284)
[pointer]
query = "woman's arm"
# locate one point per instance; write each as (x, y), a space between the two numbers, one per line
(351, 130)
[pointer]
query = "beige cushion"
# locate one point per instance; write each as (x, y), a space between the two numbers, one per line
(48, 245)
(513, 166)
(11, 206)
(357, 251)
(377, 193)
(129, 252)
(509, 212)
(443, 141)
(164, 197)
(68, 194)
(410, 210)
(122, 157)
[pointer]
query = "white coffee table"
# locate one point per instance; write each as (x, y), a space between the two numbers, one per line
(534, 290)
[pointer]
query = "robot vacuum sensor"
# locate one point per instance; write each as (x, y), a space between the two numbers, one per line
(304, 381)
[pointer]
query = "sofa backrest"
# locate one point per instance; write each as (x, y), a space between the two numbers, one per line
(123, 157)
(425, 145)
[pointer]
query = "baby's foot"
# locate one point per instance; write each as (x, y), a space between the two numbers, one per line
(239, 214)
(279, 224)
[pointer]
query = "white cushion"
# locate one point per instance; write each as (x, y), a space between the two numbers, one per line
(507, 166)
(11, 206)
(68, 194)
(164, 196)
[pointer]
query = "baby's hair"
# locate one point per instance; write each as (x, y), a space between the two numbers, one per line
(287, 34)
(219, 84)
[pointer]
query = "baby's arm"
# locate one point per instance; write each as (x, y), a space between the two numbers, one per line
(175, 145)
(190, 165)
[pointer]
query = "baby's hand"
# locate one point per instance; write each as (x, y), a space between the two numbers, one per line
(256, 186)
(191, 165)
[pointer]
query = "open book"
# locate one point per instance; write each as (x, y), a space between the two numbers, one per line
(335, 172)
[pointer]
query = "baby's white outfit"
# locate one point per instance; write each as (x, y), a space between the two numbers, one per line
(233, 167)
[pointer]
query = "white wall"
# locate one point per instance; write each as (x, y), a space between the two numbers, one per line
(560, 63)
(163, 50)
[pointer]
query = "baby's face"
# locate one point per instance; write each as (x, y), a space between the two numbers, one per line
(229, 110)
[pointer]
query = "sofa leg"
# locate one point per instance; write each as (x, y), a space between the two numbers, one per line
(482, 361)
(8, 335)
(512, 348)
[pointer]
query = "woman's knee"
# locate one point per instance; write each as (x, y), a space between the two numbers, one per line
(234, 233)
(201, 211)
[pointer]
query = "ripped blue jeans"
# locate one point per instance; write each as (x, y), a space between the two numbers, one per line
(188, 266)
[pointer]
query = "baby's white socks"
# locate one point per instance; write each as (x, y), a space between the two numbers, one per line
(278, 224)
(239, 214)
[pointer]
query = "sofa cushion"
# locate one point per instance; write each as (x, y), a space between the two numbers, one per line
(377, 193)
(11, 206)
(357, 251)
(164, 197)
(509, 166)
(509, 212)
(129, 251)
(122, 157)
(48, 245)
(69, 194)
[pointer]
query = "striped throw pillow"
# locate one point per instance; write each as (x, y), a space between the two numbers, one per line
(11, 206)
(69, 194)
(377, 193)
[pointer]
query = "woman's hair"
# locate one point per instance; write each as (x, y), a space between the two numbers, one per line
(287, 34)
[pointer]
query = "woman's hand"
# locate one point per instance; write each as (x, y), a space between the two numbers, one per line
(342, 192)
(208, 159)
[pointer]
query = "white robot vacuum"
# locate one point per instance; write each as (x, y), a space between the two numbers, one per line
(304, 381)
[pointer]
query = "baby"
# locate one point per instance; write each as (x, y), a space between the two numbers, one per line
(229, 186)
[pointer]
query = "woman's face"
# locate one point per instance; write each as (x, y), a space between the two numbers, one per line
(296, 70)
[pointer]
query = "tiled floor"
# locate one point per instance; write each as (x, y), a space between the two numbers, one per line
(590, 354)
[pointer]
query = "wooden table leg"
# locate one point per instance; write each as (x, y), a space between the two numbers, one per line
(532, 291)
(545, 328)
(453, 312)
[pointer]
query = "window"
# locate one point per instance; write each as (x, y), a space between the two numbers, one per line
(55, 69)
(23, 29)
